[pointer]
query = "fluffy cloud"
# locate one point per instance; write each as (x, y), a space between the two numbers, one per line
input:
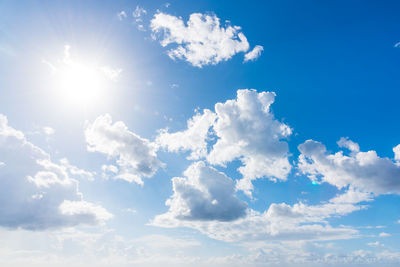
(136, 156)
(253, 54)
(244, 128)
(365, 171)
(202, 41)
(247, 130)
(204, 194)
(194, 138)
(33, 188)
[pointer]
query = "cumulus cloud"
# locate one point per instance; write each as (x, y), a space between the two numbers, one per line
(204, 194)
(193, 139)
(396, 151)
(364, 171)
(201, 41)
(135, 156)
(33, 188)
(243, 128)
(247, 130)
(138, 14)
(253, 54)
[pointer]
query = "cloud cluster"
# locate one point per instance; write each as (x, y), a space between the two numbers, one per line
(243, 128)
(365, 171)
(280, 222)
(202, 40)
(135, 156)
(35, 191)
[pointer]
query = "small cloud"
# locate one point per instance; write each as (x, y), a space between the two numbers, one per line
(2, 164)
(375, 244)
(129, 210)
(253, 54)
(397, 45)
(122, 15)
(111, 73)
(383, 234)
(174, 85)
(139, 11)
(48, 130)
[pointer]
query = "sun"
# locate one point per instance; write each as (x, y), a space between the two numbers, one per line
(80, 82)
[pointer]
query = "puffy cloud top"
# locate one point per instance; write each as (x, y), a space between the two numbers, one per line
(243, 128)
(204, 194)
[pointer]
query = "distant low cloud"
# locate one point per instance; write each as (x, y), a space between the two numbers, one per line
(253, 54)
(365, 171)
(35, 192)
(202, 40)
(280, 222)
(135, 156)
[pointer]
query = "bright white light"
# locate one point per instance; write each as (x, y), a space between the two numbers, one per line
(79, 82)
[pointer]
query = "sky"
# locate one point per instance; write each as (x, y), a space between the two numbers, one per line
(199, 133)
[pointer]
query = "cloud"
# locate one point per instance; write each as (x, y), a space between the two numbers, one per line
(136, 156)
(202, 41)
(194, 138)
(48, 130)
(253, 54)
(375, 244)
(247, 130)
(138, 14)
(383, 234)
(33, 188)
(281, 222)
(396, 151)
(364, 171)
(397, 44)
(122, 15)
(204, 194)
(243, 128)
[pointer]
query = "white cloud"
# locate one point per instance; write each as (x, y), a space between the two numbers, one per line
(138, 12)
(253, 54)
(204, 194)
(33, 187)
(281, 222)
(243, 128)
(396, 151)
(48, 130)
(136, 156)
(247, 130)
(364, 171)
(122, 15)
(202, 41)
(383, 234)
(375, 244)
(194, 138)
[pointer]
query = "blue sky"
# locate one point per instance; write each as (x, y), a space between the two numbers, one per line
(140, 133)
